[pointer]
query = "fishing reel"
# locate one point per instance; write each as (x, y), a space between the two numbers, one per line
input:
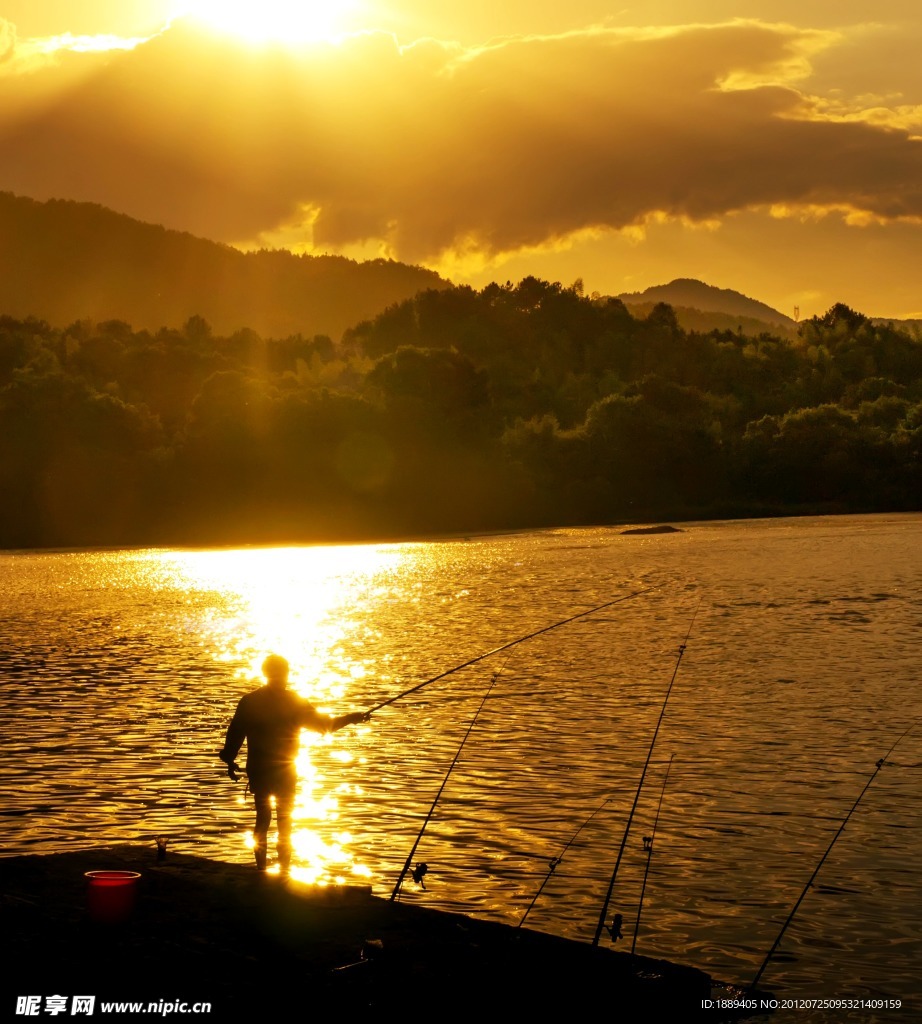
(418, 873)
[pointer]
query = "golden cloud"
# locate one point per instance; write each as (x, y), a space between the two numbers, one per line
(432, 151)
(7, 40)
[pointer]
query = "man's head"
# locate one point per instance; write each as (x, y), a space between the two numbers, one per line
(275, 669)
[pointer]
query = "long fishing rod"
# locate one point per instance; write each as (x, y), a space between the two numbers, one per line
(611, 885)
(512, 643)
(648, 844)
(556, 860)
(409, 860)
(816, 871)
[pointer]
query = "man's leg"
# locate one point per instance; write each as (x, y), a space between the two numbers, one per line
(284, 802)
(261, 830)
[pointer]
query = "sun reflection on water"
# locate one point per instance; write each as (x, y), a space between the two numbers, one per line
(300, 602)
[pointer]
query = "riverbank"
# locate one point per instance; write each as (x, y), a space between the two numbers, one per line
(204, 931)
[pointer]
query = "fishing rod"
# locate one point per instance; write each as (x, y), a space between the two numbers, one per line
(552, 866)
(611, 885)
(816, 871)
(648, 846)
(420, 870)
(512, 643)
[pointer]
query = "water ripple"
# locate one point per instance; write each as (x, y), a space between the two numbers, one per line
(121, 670)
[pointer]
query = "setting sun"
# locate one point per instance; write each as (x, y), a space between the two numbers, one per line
(274, 20)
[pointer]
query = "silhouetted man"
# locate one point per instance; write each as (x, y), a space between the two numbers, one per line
(270, 719)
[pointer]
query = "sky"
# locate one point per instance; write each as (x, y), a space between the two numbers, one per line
(770, 147)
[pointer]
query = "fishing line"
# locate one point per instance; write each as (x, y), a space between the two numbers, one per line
(816, 871)
(512, 643)
(552, 866)
(648, 845)
(421, 869)
(611, 885)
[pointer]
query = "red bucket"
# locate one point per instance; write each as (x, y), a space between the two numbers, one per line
(111, 895)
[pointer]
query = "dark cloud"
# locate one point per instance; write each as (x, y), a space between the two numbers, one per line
(434, 148)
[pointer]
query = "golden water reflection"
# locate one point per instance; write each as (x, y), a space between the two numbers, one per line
(300, 602)
(801, 671)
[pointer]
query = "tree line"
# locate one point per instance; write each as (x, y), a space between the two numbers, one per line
(457, 410)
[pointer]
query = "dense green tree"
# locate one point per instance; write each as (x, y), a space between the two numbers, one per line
(436, 389)
(72, 462)
(519, 404)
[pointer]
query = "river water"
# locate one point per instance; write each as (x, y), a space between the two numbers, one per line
(122, 668)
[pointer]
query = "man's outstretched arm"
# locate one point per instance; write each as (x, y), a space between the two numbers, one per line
(318, 722)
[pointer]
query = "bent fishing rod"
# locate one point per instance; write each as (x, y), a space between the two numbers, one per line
(552, 866)
(880, 764)
(648, 845)
(512, 643)
(421, 869)
(627, 828)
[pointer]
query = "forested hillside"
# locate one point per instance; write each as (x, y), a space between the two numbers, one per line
(455, 410)
(67, 261)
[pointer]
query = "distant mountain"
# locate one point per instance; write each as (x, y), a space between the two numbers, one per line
(911, 327)
(704, 321)
(63, 261)
(691, 295)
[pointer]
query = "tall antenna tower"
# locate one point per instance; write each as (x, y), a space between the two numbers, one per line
(796, 314)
